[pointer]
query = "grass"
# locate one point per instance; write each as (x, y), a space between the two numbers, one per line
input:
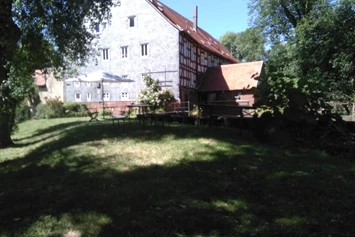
(69, 177)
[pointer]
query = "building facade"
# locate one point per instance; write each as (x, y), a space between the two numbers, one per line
(147, 37)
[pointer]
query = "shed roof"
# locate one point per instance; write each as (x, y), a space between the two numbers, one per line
(183, 24)
(232, 77)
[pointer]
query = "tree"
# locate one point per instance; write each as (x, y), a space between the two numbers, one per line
(326, 48)
(279, 18)
(228, 41)
(35, 34)
(246, 46)
(312, 42)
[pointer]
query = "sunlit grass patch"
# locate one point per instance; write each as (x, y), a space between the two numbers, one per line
(69, 225)
(290, 221)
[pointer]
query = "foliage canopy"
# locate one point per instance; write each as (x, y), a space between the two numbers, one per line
(36, 34)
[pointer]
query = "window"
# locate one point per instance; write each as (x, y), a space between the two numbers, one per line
(100, 27)
(131, 21)
(193, 54)
(88, 97)
(77, 84)
(105, 54)
(185, 49)
(78, 97)
(124, 96)
(144, 49)
(124, 76)
(97, 28)
(124, 52)
(106, 96)
(88, 84)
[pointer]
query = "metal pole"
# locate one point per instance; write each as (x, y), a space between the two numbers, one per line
(102, 97)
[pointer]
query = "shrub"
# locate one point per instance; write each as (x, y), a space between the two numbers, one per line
(23, 112)
(73, 109)
(52, 109)
(42, 111)
(104, 112)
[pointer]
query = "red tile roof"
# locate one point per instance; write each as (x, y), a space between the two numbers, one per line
(39, 78)
(232, 77)
(201, 37)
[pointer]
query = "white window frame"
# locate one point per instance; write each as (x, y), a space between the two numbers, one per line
(105, 54)
(106, 96)
(145, 50)
(76, 83)
(124, 52)
(77, 97)
(88, 96)
(125, 96)
(88, 84)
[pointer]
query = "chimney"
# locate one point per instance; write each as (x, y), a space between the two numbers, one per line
(195, 18)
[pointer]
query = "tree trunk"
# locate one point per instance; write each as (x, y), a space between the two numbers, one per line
(9, 36)
(5, 112)
(5, 131)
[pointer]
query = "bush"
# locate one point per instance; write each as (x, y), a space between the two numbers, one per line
(52, 109)
(73, 109)
(42, 111)
(23, 113)
(104, 113)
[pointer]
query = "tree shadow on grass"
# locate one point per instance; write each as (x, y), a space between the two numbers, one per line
(20, 142)
(252, 192)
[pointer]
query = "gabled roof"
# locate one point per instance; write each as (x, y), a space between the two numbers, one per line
(232, 77)
(39, 78)
(201, 37)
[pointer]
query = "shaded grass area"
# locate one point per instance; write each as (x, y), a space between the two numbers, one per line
(68, 177)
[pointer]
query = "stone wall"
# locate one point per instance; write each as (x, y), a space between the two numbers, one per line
(161, 61)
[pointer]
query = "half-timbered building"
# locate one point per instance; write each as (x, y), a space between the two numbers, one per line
(147, 37)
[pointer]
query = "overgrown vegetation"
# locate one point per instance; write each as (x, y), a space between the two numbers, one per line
(309, 63)
(54, 108)
(64, 178)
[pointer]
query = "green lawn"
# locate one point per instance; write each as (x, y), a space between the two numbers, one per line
(69, 177)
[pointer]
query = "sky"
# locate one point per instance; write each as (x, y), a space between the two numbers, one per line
(214, 16)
